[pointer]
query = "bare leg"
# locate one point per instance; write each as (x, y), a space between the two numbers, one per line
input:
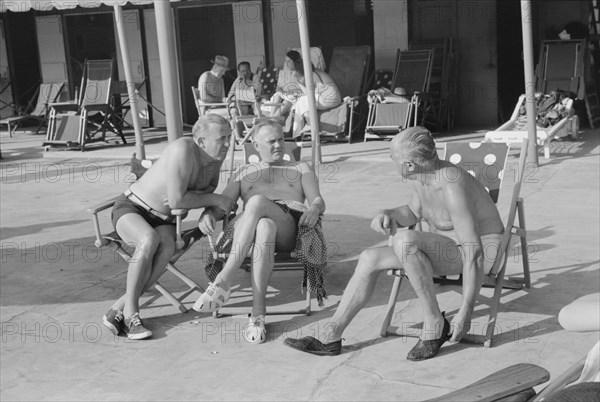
(360, 288)
(162, 256)
(256, 208)
(422, 254)
(266, 232)
(134, 230)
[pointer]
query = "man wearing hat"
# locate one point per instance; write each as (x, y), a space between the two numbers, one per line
(211, 86)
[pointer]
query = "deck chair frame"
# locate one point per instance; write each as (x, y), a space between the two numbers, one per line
(70, 122)
(47, 93)
(283, 261)
(184, 240)
(496, 278)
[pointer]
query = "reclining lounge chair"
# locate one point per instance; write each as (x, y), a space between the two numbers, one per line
(75, 124)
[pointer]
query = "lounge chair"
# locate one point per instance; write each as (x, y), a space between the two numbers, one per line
(77, 123)
(185, 239)
(486, 161)
(46, 94)
(391, 112)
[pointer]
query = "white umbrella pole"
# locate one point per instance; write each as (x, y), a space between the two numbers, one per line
(131, 90)
(168, 68)
(308, 76)
(526, 21)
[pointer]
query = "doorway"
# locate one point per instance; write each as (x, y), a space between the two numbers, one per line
(23, 56)
(89, 37)
(203, 33)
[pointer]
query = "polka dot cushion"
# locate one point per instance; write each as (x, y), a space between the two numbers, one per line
(483, 160)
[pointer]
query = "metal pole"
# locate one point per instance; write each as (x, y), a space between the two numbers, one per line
(308, 77)
(131, 93)
(526, 22)
(168, 69)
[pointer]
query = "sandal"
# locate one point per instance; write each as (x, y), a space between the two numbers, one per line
(255, 331)
(213, 299)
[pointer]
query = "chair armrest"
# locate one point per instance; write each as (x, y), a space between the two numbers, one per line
(100, 240)
(97, 108)
(212, 105)
(64, 106)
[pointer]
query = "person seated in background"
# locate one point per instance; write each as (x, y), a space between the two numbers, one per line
(288, 89)
(465, 231)
(211, 87)
(275, 218)
(185, 176)
(246, 81)
(327, 95)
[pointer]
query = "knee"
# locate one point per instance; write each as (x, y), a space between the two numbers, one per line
(256, 204)
(148, 244)
(368, 261)
(406, 243)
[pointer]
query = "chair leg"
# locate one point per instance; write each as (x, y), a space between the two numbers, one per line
(523, 239)
(191, 284)
(389, 311)
(495, 303)
(169, 296)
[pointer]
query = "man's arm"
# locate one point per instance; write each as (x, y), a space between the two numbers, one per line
(316, 204)
(460, 206)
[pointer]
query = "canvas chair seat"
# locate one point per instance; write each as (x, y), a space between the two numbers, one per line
(486, 162)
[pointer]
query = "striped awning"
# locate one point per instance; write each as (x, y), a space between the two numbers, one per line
(48, 5)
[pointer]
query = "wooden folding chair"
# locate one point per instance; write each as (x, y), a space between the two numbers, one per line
(283, 261)
(184, 240)
(486, 162)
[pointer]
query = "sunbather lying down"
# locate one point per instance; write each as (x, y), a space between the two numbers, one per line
(274, 193)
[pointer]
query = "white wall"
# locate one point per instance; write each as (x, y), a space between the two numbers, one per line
(285, 28)
(249, 34)
(53, 60)
(390, 31)
(133, 35)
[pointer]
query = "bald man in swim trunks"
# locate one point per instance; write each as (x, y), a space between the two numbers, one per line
(185, 176)
(274, 192)
(464, 234)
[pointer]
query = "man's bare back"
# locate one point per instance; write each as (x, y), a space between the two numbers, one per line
(200, 172)
(432, 202)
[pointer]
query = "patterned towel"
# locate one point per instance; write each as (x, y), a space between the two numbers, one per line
(310, 249)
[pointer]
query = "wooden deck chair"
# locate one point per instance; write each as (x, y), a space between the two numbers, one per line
(77, 123)
(185, 239)
(388, 114)
(283, 261)
(486, 162)
(46, 94)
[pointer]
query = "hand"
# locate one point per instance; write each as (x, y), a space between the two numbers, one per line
(384, 221)
(310, 217)
(461, 324)
(207, 223)
(225, 204)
